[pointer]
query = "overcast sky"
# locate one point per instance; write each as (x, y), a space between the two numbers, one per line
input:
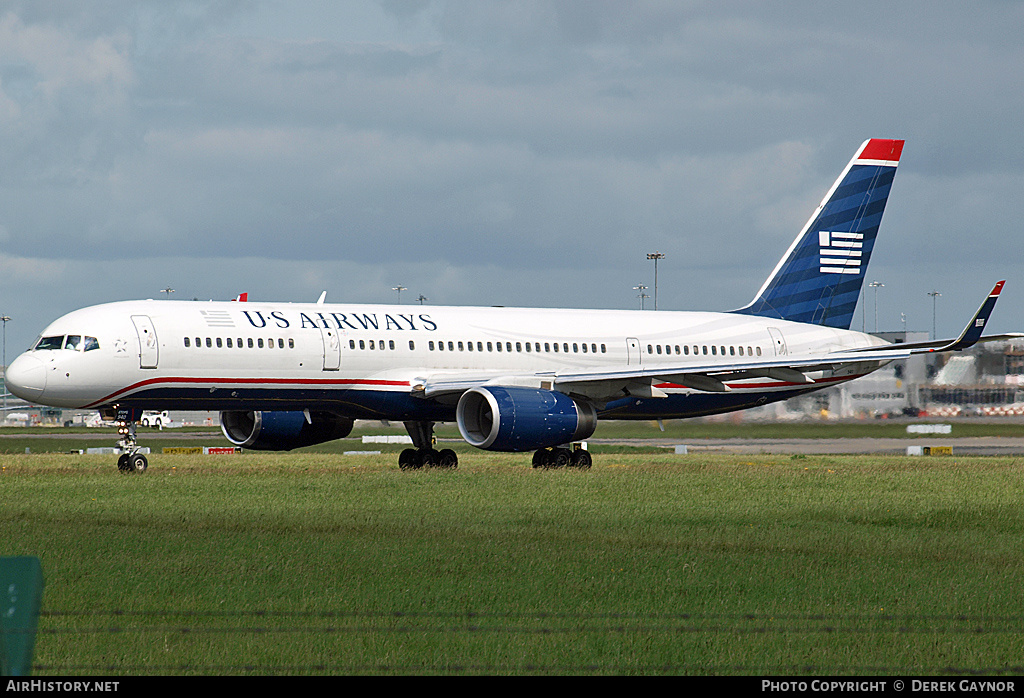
(499, 153)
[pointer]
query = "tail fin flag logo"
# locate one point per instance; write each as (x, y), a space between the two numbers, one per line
(840, 253)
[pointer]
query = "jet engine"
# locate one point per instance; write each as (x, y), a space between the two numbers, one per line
(282, 431)
(522, 419)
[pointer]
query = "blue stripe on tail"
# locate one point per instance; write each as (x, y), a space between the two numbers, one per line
(820, 278)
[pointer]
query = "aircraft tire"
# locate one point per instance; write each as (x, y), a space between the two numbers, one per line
(448, 459)
(409, 459)
(582, 459)
(552, 458)
(122, 463)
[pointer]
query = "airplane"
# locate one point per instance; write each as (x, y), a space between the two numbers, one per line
(289, 375)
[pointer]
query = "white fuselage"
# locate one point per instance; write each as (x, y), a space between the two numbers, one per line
(368, 361)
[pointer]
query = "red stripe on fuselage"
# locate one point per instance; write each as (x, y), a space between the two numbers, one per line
(247, 381)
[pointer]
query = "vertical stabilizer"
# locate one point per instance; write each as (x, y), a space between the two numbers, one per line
(819, 278)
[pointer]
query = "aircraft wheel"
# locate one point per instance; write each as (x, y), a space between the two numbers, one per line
(447, 458)
(409, 459)
(429, 457)
(582, 459)
(122, 463)
(137, 463)
(552, 458)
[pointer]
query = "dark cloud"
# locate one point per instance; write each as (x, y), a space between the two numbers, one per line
(496, 153)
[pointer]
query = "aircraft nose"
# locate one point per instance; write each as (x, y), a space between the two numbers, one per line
(26, 377)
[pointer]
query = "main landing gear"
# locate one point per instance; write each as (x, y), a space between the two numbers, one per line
(574, 456)
(424, 455)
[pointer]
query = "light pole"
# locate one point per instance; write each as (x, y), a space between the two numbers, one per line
(641, 288)
(934, 295)
(5, 319)
(863, 312)
(876, 285)
(422, 298)
(655, 256)
(399, 288)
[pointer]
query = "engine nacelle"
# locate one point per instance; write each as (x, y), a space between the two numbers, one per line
(522, 419)
(282, 431)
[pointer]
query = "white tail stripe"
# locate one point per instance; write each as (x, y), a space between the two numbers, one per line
(877, 163)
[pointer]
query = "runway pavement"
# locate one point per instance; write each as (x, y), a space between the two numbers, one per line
(974, 446)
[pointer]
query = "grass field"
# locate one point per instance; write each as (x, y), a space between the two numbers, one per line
(311, 563)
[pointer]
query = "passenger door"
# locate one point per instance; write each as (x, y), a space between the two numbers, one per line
(149, 348)
(779, 341)
(332, 348)
(632, 351)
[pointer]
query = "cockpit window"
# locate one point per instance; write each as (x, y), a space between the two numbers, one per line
(72, 342)
(50, 343)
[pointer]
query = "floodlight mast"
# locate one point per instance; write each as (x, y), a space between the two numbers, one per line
(655, 256)
(876, 285)
(5, 319)
(641, 288)
(934, 295)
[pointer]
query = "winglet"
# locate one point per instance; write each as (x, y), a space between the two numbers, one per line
(972, 333)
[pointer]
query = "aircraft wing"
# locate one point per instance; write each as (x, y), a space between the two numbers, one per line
(640, 381)
(712, 377)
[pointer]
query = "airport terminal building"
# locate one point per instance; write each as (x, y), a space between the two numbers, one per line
(987, 380)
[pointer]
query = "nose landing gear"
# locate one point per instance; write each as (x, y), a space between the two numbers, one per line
(132, 463)
(131, 459)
